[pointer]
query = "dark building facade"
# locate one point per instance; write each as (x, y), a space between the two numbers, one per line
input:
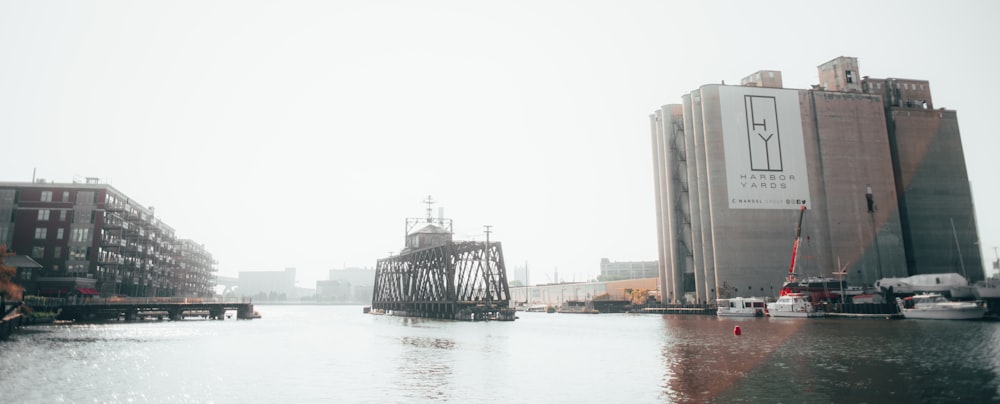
(881, 173)
(99, 237)
(935, 199)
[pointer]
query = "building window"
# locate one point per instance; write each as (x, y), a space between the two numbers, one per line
(43, 214)
(38, 252)
(849, 75)
(65, 196)
(24, 273)
(76, 268)
(40, 233)
(78, 253)
(62, 215)
(81, 235)
(59, 234)
(46, 196)
(57, 252)
(85, 198)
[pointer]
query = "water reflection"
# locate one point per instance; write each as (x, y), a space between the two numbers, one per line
(424, 342)
(425, 366)
(829, 360)
(703, 358)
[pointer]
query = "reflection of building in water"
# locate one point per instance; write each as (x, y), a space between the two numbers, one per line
(733, 164)
(558, 293)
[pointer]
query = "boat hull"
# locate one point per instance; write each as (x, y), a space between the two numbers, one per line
(952, 314)
(933, 306)
(795, 314)
(737, 314)
(988, 289)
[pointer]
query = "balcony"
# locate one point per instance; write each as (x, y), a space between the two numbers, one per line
(114, 207)
(110, 260)
(113, 242)
(113, 222)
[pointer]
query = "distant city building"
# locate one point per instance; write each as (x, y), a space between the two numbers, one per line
(333, 291)
(90, 238)
(348, 285)
(619, 270)
(881, 173)
(269, 285)
(519, 275)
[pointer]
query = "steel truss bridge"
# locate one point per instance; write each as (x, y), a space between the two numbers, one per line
(464, 280)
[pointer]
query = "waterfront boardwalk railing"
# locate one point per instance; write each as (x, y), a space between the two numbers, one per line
(134, 308)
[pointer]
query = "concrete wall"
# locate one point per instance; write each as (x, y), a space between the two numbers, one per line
(846, 136)
(935, 193)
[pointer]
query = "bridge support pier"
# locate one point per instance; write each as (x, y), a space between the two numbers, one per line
(245, 312)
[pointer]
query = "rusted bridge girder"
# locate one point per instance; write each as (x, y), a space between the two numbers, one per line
(464, 280)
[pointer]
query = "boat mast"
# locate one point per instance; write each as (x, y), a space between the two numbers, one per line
(958, 247)
(795, 245)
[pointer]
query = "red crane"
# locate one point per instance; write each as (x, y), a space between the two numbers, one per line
(795, 252)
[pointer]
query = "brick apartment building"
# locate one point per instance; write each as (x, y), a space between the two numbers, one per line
(92, 239)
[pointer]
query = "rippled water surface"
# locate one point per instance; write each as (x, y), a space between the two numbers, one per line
(307, 354)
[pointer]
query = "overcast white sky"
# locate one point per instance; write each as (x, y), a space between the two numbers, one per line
(302, 133)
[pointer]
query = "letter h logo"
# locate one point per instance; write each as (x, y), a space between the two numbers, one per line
(763, 139)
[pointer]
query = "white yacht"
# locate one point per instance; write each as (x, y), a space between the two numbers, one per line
(937, 307)
(740, 307)
(793, 305)
(987, 288)
(951, 283)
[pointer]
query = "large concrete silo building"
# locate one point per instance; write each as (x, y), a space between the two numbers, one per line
(881, 173)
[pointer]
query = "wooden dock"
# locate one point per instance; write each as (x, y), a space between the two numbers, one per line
(131, 309)
(681, 309)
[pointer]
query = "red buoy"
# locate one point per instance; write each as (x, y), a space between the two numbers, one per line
(737, 331)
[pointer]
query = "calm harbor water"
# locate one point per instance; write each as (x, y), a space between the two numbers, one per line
(321, 354)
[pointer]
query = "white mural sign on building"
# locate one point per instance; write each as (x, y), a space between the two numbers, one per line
(765, 153)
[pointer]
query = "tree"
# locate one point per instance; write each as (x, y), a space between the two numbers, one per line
(8, 288)
(638, 296)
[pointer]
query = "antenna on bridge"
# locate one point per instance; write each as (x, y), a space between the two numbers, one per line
(412, 222)
(429, 201)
